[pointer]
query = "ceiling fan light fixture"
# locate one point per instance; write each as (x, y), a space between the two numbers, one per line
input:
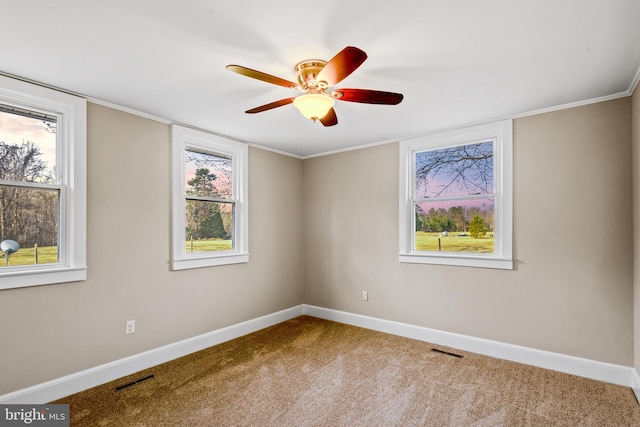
(315, 77)
(314, 106)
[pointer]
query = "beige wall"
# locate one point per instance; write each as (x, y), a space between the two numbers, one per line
(323, 230)
(635, 136)
(51, 331)
(571, 290)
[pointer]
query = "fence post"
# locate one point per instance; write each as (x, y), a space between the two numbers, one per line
(35, 247)
(439, 245)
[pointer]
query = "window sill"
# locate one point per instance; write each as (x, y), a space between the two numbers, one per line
(478, 261)
(199, 261)
(41, 276)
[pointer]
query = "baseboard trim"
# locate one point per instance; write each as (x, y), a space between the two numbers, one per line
(635, 384)
(601, 371)
(74, 383)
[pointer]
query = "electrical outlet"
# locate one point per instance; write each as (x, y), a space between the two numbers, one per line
(365, 296)
(130, 327)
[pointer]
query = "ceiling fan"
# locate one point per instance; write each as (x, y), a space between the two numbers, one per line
(315, 77)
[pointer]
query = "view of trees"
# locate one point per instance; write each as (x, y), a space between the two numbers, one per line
(208, 215)
(204, 218)
(454, 187)
(27, 215)
(477, 222)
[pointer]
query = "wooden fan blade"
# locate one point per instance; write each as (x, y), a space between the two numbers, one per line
(330, 119)
(269, 106)
(341, 65)
(259, 75)
(367, 96)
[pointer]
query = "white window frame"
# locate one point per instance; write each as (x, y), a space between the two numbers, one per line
(501, 133)
(71, 168)
(184, 138)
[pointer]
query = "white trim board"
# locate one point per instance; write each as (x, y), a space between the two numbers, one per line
(83, 380)
(592, 369)
(74, 383)
(635, 384)
(629, 92)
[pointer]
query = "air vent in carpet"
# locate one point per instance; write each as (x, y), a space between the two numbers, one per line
(148, 377)
(459, 356)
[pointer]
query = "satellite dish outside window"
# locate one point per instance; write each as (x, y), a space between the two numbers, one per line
(8, 247)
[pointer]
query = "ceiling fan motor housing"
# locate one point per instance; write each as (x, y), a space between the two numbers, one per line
(307, 71)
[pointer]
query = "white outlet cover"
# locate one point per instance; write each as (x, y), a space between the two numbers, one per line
(130, 327)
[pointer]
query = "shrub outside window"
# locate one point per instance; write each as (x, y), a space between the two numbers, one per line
(456, 197)
(209, 200)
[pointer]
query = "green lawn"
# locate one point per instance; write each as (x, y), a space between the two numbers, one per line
(424, 242)
(453, 243)
(209, 245)
(27, 256)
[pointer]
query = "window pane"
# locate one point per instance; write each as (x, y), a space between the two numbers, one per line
(209, 226)
(208, 175)
(27, 145)
(455, 225)
(30, 217)
(455, 171)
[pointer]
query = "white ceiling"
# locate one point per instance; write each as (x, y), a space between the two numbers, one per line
(456, 62)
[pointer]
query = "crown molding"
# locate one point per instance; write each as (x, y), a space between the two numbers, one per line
(628, 92)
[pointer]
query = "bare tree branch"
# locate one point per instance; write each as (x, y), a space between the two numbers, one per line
(466, 168)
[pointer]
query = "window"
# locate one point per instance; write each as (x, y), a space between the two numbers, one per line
(456, 197)
(42, 185)
(210, 218)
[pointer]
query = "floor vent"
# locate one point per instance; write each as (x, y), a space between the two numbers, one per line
(459, 356)
(148, 377)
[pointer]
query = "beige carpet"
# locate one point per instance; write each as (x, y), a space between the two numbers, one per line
(312, 372)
